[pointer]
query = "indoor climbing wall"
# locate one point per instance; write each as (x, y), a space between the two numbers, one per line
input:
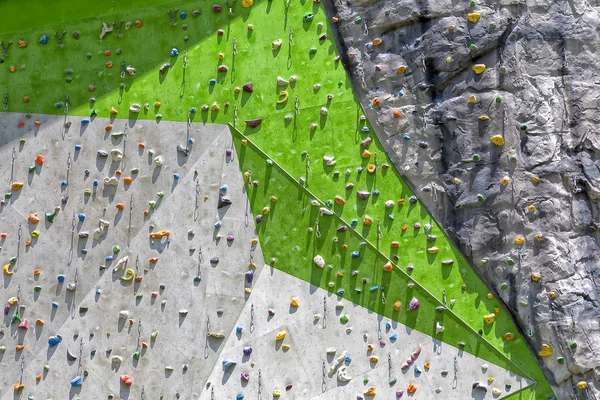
(194, 206)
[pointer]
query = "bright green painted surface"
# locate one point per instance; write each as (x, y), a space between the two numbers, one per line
(41, 76)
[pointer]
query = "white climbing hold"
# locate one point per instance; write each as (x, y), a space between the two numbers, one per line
(315, 203)
(329, 160)
(342, 375)
(281, 81)
(438, 328)
(130, 70)
(158, 161)
(331, 350)
(116, 155)
(336, 364)
(105, 30)
(121, 264)
(319, 261)
(325, 211)
(123, 314)
(111, 181)
(101, 231)
(389, 204)
(135, 108)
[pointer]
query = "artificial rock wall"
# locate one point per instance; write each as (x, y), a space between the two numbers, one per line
(525, 212)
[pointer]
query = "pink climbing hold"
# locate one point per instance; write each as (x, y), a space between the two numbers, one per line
(413, 305)
(217, 8)
(24, 324)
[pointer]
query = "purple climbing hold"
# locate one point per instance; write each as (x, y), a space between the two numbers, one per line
(217, 8)
(365, 143)
(399, 393)
(247, 351)
(363, 195)
(253, 123)
(222, 68)
(349, 186)
(228, 152)
(250, 276)
(342, 228)
(229, 238)
(258, 219)
(6, 310)
(245, 376)
(248, 88)
(413, 305)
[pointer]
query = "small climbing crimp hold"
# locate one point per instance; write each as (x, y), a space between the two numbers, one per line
(126, 379)
(490, 318)
(536, 276)
(160, 234)
(508, 336)
(280, 335)
(388, 267)
(295, 302)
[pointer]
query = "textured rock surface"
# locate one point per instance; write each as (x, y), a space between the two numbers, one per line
(539, 93)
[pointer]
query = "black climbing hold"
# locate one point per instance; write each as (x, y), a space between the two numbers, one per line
(223, 201)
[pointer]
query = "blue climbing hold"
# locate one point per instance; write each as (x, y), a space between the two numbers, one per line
(77, 381)
(340, 292)
(417, 369)
(190, 140)
(212, 82)
(218, 224)
(53, 340)
(193, 110)
(85, 121)
(77, 147)
(239, 397)
(175, 176)
(183, 15)
(223, 189)
(348, 359)
(98, 291)
(60, 278)
(59, 104)
(354, 222)
(44, 39)
(376, 192)
(359, 169)
(374, 288)
(355, 254)
(95, 182)
(63, 183)
(388, 325)
(81, 217)
(227, 365)
(54, 304)
(365, 129)
(239, 329)
(174, 52)
(394, 337)
(109, 258)
(406, 137)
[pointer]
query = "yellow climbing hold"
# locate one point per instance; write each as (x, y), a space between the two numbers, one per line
(531, 208)
(374, 359)
(552, 295)
(478, 68)
(366, 153)
(247, 3)
(294, 302)
(536, 276)
(505, 181)
(397, 306)
(448, 59)
(377, 42)
(472, 99)
(284, 96)
(401, 69)
(276, 393)
(432, 250)
(159, 234)
(452, 27)
(490, 379)
(372, 391)
(484, 118)
(519, 240)
(16, 185)
(498, 140)
(129, 275)
(474, 17)
(534, 179)
(367, 220)
(285, 347)
(280, 335)
(546, 351)
(18, 386)
(490, 296)
(457, 181)
(582, 385)
(508, 336)
(490, 318)
(539, 237)
(13, 300)
(7, 270)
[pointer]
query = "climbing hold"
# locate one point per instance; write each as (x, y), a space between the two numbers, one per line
(490, 318)
(546, 351)
(498, 140)
(371, 391)
(160, 234)
(519, 240)
(280, 335)
(412, 388)
(536, 276)
(126, 379)
(248, 87)
(388, 267)
(505, 181)
(413, 305)
(508, 336)
(474, 17)
(478, 68)
(377, 41)
(253, 123)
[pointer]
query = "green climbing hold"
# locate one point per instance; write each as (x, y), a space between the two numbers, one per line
(473, 47)
(16, 317)
(358, 20)
(136, 355)
(269, 162)
(498, 99)
(344, 319)
(504, 286)
(93, 352)
(366, 380)
(8, 195)
(50, 216)
(37, 289)
(480, 197)
(560, 360)
(31, 168)
(13, 260)
(573, 345)
(308, 17)
(523, 127)
(116, 249)
(312, 50)
(502, 70)
(475, 157)
(510, 261)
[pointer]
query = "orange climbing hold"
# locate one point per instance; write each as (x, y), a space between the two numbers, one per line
(37, 271)
(396, 113)
(388, 267)
(109, 64)
(22, 44)
(28, 243)
(38, 377)
(371, 168)
(25, 99)
(39, 160)
(127, 180)
(38, 123)
(395, 245)
(376, 101)
(335, 20)
(107, 53)
(377, 41)
(13, 68)
(108, 128)
(138, 24)
(154, 260)
(397, 306)
(33, 218)
(113, 111)
(401, 69)
(366, 153)
(118, 172)
(19, 347)
(126, 379)
(160, 234)
(21, 124)
(120, 206)
(412, 388)
(404, 228)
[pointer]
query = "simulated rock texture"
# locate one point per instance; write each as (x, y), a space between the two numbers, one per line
(412, 67)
